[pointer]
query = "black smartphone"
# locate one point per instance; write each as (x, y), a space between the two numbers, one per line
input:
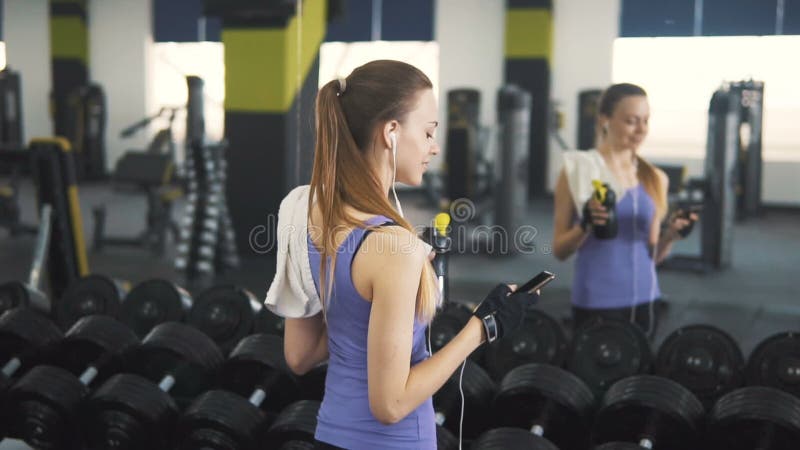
(537, 282)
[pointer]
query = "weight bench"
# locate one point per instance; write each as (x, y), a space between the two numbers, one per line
(151, 174)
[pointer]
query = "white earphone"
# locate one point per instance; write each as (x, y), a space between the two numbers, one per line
(393, 138)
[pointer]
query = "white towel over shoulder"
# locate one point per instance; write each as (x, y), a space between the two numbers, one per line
(293, 292)
(581, 167)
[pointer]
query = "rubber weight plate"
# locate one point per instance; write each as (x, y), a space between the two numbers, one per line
(604, 351)
(540, 339)
(14, 294)
(89, 295)
(704, 359)
(268, 322)
(479, 391)
(649, 408)
(153, 302)
(187, 354)
(776, 363)
(511, 439)
(548, 400)
(221, 420)
(39, 408)
(258, 362)
(755, 417)
(225, 313)
(297, 422)
(129, 412)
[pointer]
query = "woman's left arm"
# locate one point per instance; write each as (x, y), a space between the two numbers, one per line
(305, 343)
(661, 243)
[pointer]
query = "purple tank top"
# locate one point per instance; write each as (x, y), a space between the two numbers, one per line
(345, 419)
(619, 272)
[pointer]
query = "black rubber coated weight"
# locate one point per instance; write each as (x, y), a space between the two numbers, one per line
(89, 295)
(755, 417)
(225, 313)
(540, 339)
(649, 408)
(297, 422)
(153, 302)
(776, 363)
(547, 401)
(604, 351)
(704, 359)
(479, 391)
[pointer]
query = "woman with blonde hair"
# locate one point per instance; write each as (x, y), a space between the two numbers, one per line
(615, 277)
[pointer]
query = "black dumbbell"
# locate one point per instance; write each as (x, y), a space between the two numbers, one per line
(604, 351)
(227, 314)
(505, 438)
(650, 411)
(42, 406)
(704, 359)
(153, 302)
(24, 336)
(479, 390)
(14, 294)
(755, 417)
(138, 410)
(295, 426)
(775, 362)
(552, 405)
(255, 379)
(89, 295)
(539, 340)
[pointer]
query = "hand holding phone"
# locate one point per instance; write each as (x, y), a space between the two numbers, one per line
(536, 283)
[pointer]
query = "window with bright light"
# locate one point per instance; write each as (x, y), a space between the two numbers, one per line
(172, 63)
(681, 74)
(2, 55)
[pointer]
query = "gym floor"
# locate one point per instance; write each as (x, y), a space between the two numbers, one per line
(756, 297)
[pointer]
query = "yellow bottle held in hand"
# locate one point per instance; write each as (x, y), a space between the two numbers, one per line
(608, 198)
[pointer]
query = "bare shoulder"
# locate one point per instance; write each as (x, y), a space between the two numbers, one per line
(662, 177)
(393, 244)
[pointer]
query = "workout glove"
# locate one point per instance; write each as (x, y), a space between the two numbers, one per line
(502, 313)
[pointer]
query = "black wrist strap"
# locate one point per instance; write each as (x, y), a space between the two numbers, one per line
(490, 325)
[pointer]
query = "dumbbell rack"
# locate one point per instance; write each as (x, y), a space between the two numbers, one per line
(206, 244)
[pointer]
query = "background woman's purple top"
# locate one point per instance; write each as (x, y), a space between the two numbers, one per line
(619, 272)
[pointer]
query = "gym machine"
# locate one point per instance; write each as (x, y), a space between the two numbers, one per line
(731, 184)
(487, 195)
